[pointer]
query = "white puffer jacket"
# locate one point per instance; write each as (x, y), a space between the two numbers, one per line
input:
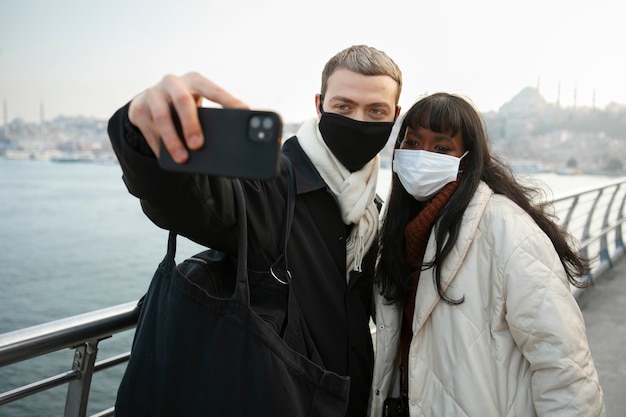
(516, 346)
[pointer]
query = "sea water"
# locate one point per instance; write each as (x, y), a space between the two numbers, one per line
(73, 240)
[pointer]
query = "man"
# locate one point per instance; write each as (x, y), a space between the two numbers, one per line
(332, 246)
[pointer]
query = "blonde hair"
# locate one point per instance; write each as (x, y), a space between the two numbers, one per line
(364, 60)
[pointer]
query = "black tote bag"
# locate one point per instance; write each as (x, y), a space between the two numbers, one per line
(195, 354)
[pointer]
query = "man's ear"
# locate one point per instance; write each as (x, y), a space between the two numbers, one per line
(318, 105)
(398, 108)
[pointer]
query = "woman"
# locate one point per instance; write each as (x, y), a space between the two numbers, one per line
(474, 314)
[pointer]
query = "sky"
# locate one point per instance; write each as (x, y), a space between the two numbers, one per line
(88, 58)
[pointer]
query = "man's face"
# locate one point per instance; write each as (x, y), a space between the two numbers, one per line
(367, 98)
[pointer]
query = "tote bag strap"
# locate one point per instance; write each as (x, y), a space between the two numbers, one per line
(280, 267)
(240, 301)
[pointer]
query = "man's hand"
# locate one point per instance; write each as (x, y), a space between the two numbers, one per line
(150, 112)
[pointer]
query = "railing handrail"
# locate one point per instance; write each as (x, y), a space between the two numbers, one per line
(581, 191)
(27, 343)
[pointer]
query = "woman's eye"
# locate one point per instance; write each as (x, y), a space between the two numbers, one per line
(409, 143)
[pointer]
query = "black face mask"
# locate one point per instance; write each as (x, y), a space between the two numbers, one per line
(354, 143)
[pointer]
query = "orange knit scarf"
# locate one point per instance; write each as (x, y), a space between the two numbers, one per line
(416, 233)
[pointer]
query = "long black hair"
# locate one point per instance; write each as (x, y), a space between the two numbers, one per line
(451, 114)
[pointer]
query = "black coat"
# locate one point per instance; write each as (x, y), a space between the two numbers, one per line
(335, 314)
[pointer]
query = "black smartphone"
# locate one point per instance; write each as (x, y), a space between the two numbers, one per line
(237, 143)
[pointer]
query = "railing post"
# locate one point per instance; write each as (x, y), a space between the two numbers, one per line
(570, 211)
(604, 241)
(590, 216)
(619, 240)
(78, 389)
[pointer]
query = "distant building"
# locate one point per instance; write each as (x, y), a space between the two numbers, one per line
(525, 114)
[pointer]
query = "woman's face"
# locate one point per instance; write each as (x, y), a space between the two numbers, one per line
(421, 139)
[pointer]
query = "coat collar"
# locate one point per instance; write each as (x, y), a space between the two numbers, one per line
(307, 177)
(427, 296)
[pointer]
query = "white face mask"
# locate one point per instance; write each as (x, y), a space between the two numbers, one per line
(424, 173)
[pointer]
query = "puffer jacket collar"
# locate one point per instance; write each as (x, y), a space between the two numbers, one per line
(427, 297)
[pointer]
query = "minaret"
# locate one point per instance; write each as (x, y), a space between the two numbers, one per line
(558, 95)
(575, 95)
(593, 99)
(538, 84)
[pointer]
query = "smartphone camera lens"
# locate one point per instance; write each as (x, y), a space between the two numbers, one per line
(255, 122)
(268, 123)
(261, 127)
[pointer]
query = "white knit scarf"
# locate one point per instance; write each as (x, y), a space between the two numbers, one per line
(355, 193)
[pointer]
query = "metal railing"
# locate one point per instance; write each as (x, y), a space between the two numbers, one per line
(594, 216)
(82, 333)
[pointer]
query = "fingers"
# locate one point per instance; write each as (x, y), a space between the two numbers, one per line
(150, 111)
(213, 92)
(180, 95)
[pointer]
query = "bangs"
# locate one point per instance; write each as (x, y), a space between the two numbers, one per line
(438, 115)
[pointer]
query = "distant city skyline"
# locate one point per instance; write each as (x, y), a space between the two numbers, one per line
(557, 103)
(82, 58)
